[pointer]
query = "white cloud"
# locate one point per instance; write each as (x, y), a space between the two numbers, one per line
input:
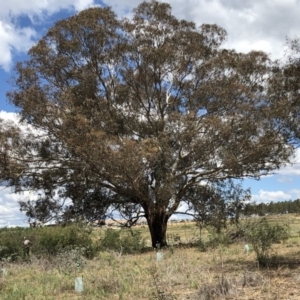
(251, 24)
(13, 38)
(290, 172)
(255, 24)
(8, 116)
(82, 4)
(294, 168)
(268, 196)
(14, 8)
(10, 214)
(275, 196)
(284, 179)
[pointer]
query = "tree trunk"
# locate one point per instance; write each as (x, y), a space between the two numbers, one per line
(157, 222)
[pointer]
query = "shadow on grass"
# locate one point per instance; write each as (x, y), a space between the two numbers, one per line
(290, 261)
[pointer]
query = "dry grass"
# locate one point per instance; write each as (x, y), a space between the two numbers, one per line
(183, 273)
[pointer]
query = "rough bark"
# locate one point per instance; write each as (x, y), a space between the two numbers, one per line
(157, 223)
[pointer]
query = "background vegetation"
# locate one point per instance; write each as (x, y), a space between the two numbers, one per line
(118, 264)
(282, 207)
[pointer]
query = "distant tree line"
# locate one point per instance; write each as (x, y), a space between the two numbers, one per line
(272, 208)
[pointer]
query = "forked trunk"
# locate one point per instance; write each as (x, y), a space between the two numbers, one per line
(157, 223)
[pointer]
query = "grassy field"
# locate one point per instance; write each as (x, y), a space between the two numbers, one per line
(224, 272)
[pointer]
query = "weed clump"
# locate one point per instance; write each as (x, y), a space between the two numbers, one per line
(222, 288)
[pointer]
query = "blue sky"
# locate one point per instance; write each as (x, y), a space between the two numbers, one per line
(251, 24)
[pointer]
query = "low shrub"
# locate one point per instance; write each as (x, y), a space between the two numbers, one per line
(133, 242)
(217, 290)
(262, 235)
(71, 259)
(201, 245)
(173, 239)
(127, 242)
(111, 240)
(218, 238)
(11, 240)
(47, 241)
(53, 240)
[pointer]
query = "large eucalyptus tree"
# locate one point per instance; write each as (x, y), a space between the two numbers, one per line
(141, 115)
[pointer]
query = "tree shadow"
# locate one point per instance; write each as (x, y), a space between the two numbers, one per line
(290, 261)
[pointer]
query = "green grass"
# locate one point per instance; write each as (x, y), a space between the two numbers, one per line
(224, 272)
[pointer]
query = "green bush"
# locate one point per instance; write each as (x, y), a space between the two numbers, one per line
(111, 240)
(218, 238)
(262, 236)
(133, 242)
(201, 245)
(47, 241)
(127, 242)
(11, 240)
(53, 240)
(173, 239)
(71, 259)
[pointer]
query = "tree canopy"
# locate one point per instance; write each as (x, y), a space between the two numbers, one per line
(141, 115)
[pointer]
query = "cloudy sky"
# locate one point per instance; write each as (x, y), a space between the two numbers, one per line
(250, 24)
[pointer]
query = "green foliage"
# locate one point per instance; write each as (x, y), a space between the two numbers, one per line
(47, 241)
(201, 245)
(262, 235)
(111, 240)
(217, 238)
(128, 242)
(71, 259)
(69, 244)
(133, 242)
(272, 208)
(54, 240)
(11, 243)
(174, 238)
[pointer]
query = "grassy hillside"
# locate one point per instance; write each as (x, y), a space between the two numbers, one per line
(221, 272)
